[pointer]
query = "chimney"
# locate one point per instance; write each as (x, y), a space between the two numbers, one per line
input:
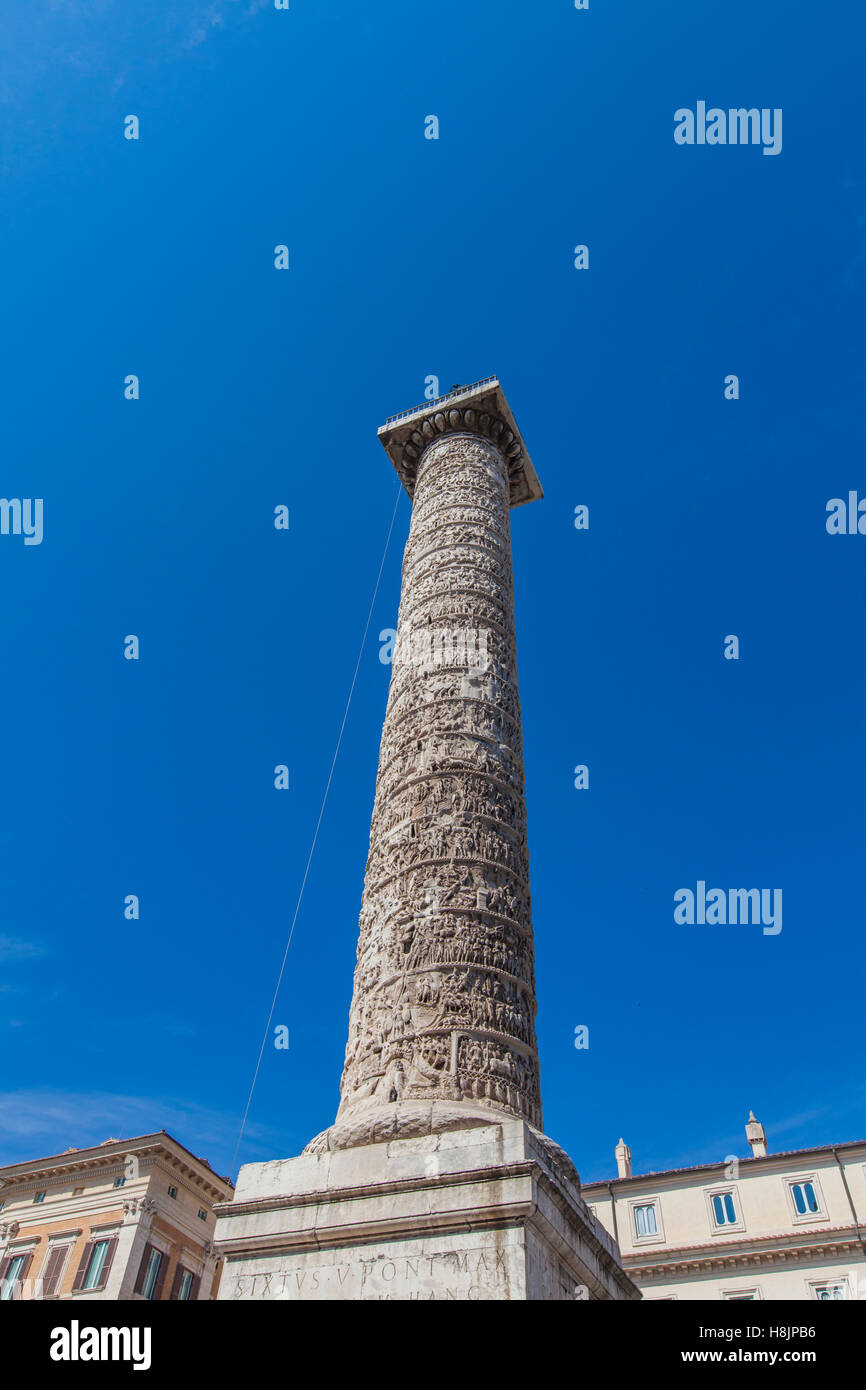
(623, 1160)
(756, 1137)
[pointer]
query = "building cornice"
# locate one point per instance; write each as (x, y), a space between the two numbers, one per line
(360, 1192)
(775, 1162)
(781, 1248)
(480, 409)
(52, 1171)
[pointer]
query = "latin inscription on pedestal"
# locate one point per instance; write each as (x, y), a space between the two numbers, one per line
(478, 1272)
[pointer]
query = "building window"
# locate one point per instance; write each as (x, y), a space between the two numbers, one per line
(185, 1285)
(13, 1274)
(740, 1295)
(78, 1191)
(172, 1192)
(830, 1290)
(93, 1276)
(95, 1264)
(723, 1209)
(118, 1182)
(804, 1198)
(724, 1212)
(834, 1289)
(151, 1271)
(645, 1221)
(40, 1197)
(202, 1214)
(2, 1205)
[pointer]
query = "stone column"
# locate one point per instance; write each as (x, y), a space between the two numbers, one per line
(436, 1180)
(441, 1029)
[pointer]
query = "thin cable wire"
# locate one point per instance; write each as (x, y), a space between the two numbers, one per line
(267, 1031)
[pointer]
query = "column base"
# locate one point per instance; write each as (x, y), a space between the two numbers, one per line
(478, 1213)
(375, 1123)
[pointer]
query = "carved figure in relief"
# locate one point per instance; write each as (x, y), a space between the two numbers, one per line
(445, 897)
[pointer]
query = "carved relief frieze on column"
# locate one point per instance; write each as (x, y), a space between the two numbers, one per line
(444, 998)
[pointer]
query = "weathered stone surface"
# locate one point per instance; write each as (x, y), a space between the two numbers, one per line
(436, 1180)
(442, 1018)
(476, 1214)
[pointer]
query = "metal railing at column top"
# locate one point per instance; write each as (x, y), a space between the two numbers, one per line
(437, 400)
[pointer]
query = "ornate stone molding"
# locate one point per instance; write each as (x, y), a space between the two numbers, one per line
(773, 1250)
(480, 410)
(467, 421)
(139, 1206)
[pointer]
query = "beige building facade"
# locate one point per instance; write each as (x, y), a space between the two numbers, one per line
(126, 1219)
(770, 1226)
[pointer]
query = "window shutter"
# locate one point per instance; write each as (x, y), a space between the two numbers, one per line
(49, 1275)
(106, 1263)
(81, 1272)
(142, 1269)
(160, 1276)
(175, 1283)
(193, 1293)
(53, 1266)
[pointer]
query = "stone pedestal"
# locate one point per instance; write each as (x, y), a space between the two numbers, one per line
(489, 1212)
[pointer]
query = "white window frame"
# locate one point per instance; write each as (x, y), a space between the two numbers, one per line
(728, 1190)
(86, 1285)
(7, 1292)
(163, 1255)
(810, 1217)
(752, 1292)
(813, 1285)
(658, 1238)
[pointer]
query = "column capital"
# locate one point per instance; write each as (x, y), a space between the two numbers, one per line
(480, 409)
(135, 1208)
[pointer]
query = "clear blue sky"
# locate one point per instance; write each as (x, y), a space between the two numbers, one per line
(412, 257)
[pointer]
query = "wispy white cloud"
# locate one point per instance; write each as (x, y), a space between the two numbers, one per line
(804, 1117)
(213, 18)
(13, 949)
(43, 1121)
(105, 40)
